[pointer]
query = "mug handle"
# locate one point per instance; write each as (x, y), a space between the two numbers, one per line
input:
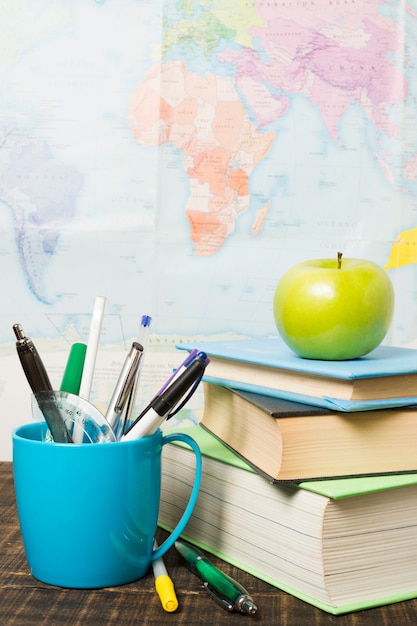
(171, 539)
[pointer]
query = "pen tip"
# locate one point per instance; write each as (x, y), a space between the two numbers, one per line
(248, 607)
(18, 331)
(146, 320)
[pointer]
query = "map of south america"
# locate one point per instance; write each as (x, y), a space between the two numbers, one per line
(41, 193)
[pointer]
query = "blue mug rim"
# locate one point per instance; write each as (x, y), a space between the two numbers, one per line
(42, 428)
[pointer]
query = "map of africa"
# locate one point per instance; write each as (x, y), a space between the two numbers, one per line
(179, 156)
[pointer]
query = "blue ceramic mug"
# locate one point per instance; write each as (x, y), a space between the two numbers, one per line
(88, 513)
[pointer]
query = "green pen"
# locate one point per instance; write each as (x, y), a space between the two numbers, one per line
(224, 589)
(71, 380)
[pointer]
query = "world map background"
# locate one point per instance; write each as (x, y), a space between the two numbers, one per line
(179, 157)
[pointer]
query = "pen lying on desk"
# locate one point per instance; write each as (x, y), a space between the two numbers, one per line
(227, 592)
(164, 585)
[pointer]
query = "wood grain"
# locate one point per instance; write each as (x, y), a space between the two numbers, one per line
(24, 601)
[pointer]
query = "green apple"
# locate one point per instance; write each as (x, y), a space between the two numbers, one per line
(334, 309)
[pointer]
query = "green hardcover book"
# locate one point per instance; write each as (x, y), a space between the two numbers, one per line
(342, 545)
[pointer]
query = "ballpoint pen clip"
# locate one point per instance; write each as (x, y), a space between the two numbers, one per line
(183, 402)
(129, 380)
(203, 358)
(226, 604)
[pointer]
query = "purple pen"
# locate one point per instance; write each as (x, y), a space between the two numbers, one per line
(189, 359)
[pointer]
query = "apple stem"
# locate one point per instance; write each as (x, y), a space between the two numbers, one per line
(339, 260)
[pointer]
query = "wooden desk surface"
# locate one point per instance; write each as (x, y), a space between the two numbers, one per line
(26, 601)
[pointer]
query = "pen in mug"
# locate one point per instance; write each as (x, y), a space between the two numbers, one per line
(71, 379)
(38, 380)
(123, 388)
(143, 335)
(203, 358)
(161, 406)
(189, 359)
(31, 361)
(92, 347)
(90, 358)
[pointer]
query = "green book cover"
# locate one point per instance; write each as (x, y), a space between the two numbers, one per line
(334, 489)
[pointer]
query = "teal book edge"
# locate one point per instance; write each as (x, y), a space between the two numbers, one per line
(273, 353)
(211, 447)
(325, 402)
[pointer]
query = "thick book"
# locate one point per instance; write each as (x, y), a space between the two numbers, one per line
(385, 377)
(342, 545)
(288, 440)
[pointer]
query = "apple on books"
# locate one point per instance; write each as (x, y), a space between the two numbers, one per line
(334, 309)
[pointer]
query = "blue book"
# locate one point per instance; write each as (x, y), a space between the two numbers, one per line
(384, 378)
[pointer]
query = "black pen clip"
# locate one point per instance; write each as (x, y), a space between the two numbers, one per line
(185, 400)
(226, 604)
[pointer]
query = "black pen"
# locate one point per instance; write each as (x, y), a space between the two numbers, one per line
(225, 590)
(160, 407)
(38, 380)
(32, 364)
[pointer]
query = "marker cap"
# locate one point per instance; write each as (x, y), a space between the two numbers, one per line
(71, 380)
(166, 592)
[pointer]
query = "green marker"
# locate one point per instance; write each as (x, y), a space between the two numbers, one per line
(71, 380)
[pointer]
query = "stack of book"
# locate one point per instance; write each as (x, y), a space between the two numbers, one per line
(309, 472)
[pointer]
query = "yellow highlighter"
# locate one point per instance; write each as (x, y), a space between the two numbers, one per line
(164, 585)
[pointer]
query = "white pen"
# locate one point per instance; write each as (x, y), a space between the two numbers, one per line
(90, 359)
(92, 347)
(123, 388)
(161, 405)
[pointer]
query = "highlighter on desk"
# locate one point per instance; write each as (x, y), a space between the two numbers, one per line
(164, 585)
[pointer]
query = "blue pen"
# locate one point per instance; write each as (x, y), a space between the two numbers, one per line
(123, 387)
(161, 405)
(145, 325)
